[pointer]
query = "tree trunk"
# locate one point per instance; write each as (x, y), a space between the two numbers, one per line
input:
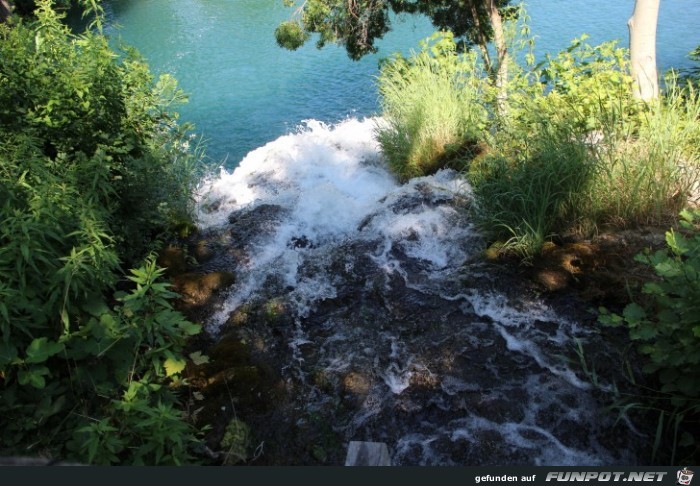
(642, 27)
(502, 54)
(483, 42)
(5, 10)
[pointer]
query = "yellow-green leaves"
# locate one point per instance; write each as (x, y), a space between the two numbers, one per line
(198, 358)
(174, 366)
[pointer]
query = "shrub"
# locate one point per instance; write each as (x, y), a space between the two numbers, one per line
(634, 163)
(78, 111)
(667, 325)
(104, 382)
(431, 105)
(93, 168)
(589, 85)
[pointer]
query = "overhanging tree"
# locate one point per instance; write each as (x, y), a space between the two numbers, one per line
(357, 24)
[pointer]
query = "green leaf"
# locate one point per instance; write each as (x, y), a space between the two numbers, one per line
(42, 349)
(8, 353)
(96, 306)
(189, 328)
(65, 320)
(667, 317)
(174, 366)
(198, 358)
(643, 333)
(634, 313)
(33, 376)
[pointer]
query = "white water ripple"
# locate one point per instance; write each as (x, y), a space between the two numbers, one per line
(450, 366)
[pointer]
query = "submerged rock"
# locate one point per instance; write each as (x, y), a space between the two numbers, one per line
(197, 289)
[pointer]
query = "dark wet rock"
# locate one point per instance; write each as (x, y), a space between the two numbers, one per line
(356, 383)
(203, 251)
(464, 364)
(300, 242)
(255, 222)
(228, 351)
(173, 258)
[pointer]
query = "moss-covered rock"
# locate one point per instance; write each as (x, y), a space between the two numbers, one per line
(197, 289)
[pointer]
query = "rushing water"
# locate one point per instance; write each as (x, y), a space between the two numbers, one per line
(367, 298)
(245, 91)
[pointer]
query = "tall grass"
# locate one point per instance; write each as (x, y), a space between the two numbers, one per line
(582, 155)
(432, 108)
(575, 154)
(525, 199)
(648, 165)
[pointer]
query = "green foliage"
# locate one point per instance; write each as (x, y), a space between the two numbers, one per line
(431, 107)
(667, 326)
(526, 197)
(571, 152)
(576, 152)
(587, 85)
(692, 74)
(84, 134)
(74, 111)
(290, 35)
(108, 382)
(236, 441)
(358, 24)
(650, 164)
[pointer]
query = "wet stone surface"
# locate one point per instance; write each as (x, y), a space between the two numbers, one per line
(391, 328)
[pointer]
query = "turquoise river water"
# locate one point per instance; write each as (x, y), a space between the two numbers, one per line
(245, 91)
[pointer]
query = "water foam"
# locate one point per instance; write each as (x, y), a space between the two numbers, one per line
(332, 185)
(449, 366)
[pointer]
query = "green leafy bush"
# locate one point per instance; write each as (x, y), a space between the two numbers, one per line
(578, 153)
(432, 108)
(106, 381)
(667, 325)
(589, 86)
(76, 110)
(93, 169)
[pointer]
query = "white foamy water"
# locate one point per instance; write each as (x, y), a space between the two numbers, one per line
(372, 277)
(332, 185)
(329, 176)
